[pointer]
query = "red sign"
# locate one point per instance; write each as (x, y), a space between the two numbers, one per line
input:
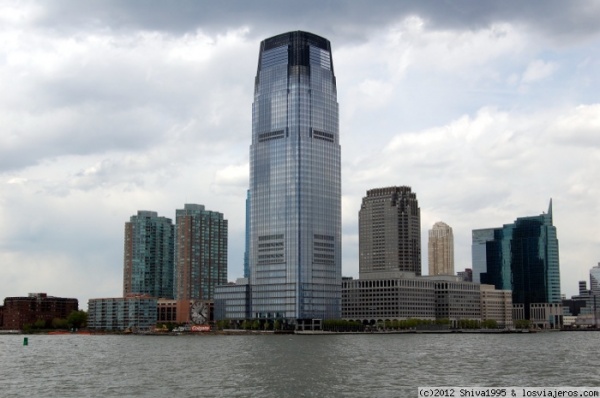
(201, 328)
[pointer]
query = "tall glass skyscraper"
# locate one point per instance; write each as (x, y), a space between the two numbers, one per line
(295, 189)
(522, 257)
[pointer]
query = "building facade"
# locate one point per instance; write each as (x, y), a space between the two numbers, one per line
(372, 301)
(148, 255)
(496, 305)
(466, 275)
(200, 252)
(295, 188)
(232, 301)
(18, 312)
(135, 312)
(441, 249)
(377, 299)
(521, 257)
(595, 281)
(456, 300)
(389, 231)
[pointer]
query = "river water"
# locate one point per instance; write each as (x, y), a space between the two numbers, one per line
(364, 365)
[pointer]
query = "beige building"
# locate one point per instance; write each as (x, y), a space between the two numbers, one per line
(496, 305)
(441, 249)
(455, 299)
(401, 295)
(542, 315)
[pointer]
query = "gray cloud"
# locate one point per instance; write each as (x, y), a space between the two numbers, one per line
(342, 20)
(486, 109)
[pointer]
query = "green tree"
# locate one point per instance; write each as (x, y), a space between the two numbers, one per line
(489, 324)
(522, 324)
(277, 324)
(39, 324)
(77, 319)
(59, 323)
(256, 325)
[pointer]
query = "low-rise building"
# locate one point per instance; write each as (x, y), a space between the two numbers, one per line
(121, 313)
(542, 315)
(457, 300)
(232, 301)
(21, 311)
(387, 296)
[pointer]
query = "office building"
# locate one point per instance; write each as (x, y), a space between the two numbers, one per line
(521, 257)
(390, 231)
(496, 305)
(247, 240)
(377, 299)
(456, 300)
(295, 187)
(374, 300)
(595, 281)
(18, 312)
(441, 249)
(200, 253)
(232, 301)
(148, 255)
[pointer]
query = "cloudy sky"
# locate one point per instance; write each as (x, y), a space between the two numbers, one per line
(486, 109)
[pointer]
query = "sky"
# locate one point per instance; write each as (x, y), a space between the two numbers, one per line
(486, 109)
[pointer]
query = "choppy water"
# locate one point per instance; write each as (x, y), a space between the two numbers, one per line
(291, 365)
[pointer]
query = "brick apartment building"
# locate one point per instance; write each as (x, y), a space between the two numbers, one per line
(18, 311)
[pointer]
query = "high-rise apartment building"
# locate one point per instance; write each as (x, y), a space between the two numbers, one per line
(200, 252)
(148, 257)
(522, 257)
(390, 231)
(441, 249)
(295, 188)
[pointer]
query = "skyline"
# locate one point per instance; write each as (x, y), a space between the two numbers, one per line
(111, 108)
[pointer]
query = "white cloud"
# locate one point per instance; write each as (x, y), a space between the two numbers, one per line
(538, 70)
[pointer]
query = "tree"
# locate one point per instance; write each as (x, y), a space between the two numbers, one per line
(39, 324)
(77, 319)
(59, 323)
(489, 324)
(522, 324)
(277, 324)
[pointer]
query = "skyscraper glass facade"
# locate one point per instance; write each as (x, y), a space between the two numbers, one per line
(522, 257)
(200, 252)
(148, 255)
(595, 280)
(295, 188)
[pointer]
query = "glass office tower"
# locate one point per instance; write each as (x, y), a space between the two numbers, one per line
(295, 189)
(522, 257)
